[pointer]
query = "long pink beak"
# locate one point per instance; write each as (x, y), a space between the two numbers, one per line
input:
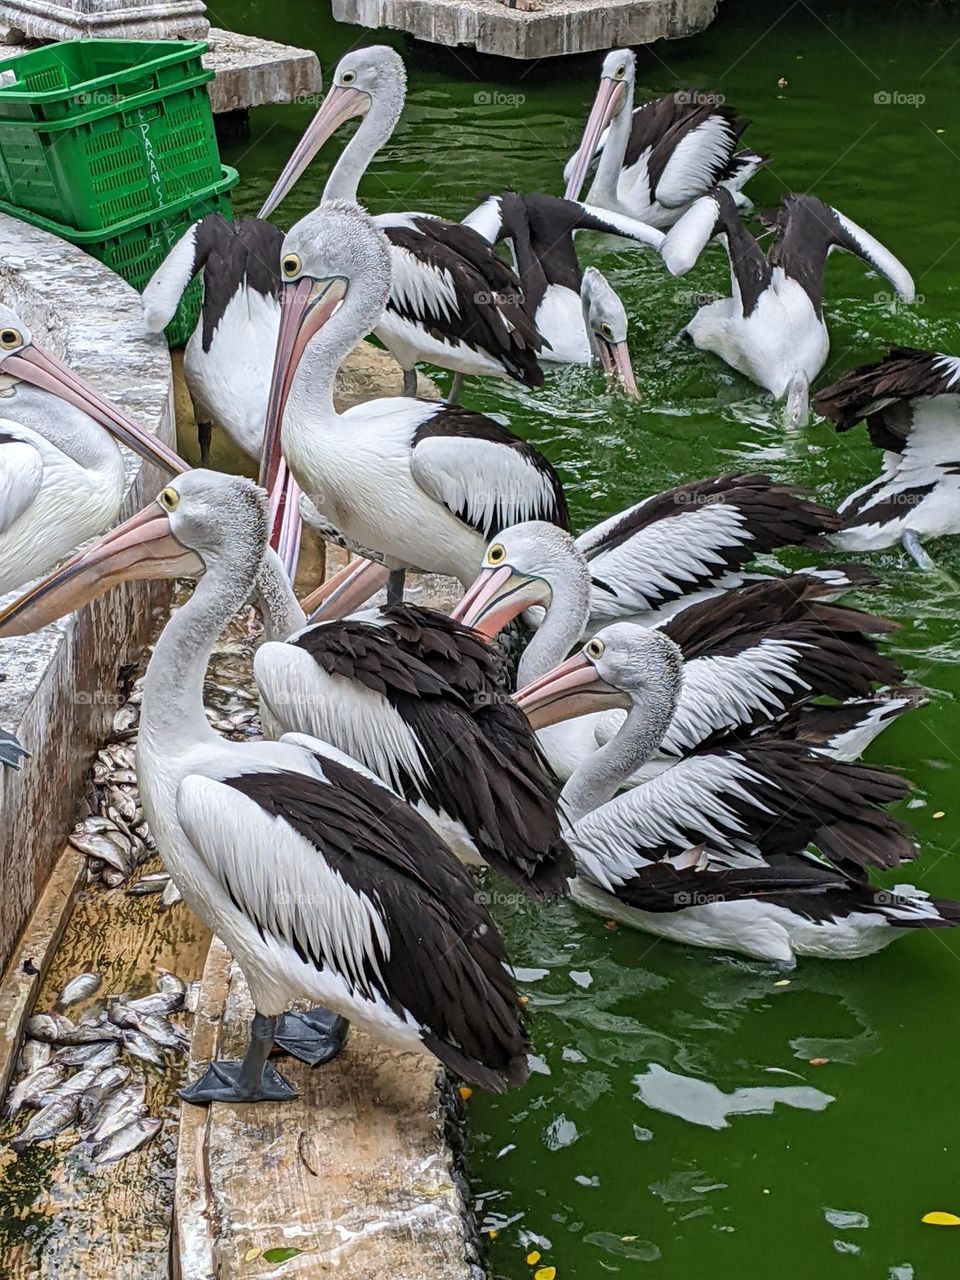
(35, 365)
(487, 605)
(340, 105)
(615, 358)
(574, 688)
(348, 589)
(609, 100)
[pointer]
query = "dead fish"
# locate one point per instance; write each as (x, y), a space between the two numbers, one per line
(124, 777)
(92, 1102)
(91, 1033)
(125, 1141)
(171, 896)
(192, 997)
(114, 879)
(109, 846)
(141, 1046)
(48, 1122)
(120, 1108)
(154, 1026)
(78, 1083)
(122, 755)
(28, 1091)
(126, 718)
(155, 882)
(157, 1004)
(34, 1055)
(81, 987)
(169, 982)
(51, 1027)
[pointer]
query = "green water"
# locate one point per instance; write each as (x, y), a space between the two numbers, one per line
(576, 1160)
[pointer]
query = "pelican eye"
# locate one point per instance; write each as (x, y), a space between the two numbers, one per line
(621, 71)
(9, 339)
(290, 264)
(169, 499)
(348, 77)
(594, 648)
(606, 330)
(497, 553)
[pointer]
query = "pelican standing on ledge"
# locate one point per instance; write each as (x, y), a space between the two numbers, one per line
(320, 880)
(771, 329)
(453, 302)
(61, 474)
(420, 484)
(656, 161)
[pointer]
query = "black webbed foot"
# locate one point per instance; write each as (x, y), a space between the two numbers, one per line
(224, 1082)
(313, 1037)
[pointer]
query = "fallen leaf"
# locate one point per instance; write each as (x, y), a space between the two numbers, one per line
(532, 1259)
(939, 1219)
(545, 1273)
(252, 1254)
(784, 982)
(819, 1062)
(466, 1092)
(282, 1255)
(940, 814)
(628, 1239)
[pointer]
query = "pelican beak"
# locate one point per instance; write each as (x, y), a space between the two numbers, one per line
(347, 590)
(142, 548)
(285, 524)
(38, 367)
(615, 358)
(609, 100)
(574, 688)
(340, 104)
(496, 597)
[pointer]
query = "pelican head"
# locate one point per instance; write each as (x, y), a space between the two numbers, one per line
(201, 519)
(621, 666)
(362, 78)
(614, 95)
(606, 321)
(22, 358)
(528, 564)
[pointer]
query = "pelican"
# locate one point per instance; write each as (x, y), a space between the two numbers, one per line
(318, 878)
(578, 314)
(453, 302)
(911, 403)
(772, 328)
(714, 852)
(656, 161)
(661, 555)
(421, 485)
(61, 474)
(752, 653)
(228, 358)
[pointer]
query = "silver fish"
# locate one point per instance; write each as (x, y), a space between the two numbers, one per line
(81, 987)
(125, 719)
(111, 847)
(167, 981)
(161, 1031)
(79, 1055)
(158, 1003)
(128, 1139)
(140, 1046)
(114, 879)
(91, 1033)
(171, 896)
(155, 883)
(107, 1083)
(34, 1055)
(78, 1083)
(28, 1091)
(105, 1055)
(126, 1104)
(192, 997)
(58, 1115)
(124, 777)
(51, 1027)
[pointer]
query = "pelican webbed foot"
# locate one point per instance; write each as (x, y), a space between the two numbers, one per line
(12, 753)
(252, 1080)
(915, 550)
(313, 1037)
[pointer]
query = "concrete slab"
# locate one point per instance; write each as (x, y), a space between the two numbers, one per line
(535, 28)
(250, 72)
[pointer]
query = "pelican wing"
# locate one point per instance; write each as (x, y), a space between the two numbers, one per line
(484, 474)
(21, 476)
(335, 872)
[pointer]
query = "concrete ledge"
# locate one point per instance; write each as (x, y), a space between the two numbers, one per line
(551, 28)
(250, 72)
(58, 689)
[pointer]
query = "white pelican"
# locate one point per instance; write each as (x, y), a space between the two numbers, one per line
(772, 328)
(911, 403)
(453, 301)
(667, 552)
(419, 483)
(61, 474)
(656, 161)
(752, 654)
(316, 875)
(228, 359)
(712, 852)
(578, 314)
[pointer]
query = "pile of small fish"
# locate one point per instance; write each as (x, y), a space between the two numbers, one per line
(104, 1098)
(111, 829)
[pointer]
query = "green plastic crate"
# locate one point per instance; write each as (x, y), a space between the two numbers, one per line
(135, 247)
(96, 131)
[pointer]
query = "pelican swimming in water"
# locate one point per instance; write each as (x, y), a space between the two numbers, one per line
(453, 302)
(714, 852)
(419, 484)
(655, 161)
(910, 401)
(772, 329)
(320, 880)
(61, 473)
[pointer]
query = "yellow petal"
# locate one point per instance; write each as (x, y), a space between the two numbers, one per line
(938, 1219)
(532, 1259)
(940, 814)
(545, 1273)
(252, 1254)
(465, 1092)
